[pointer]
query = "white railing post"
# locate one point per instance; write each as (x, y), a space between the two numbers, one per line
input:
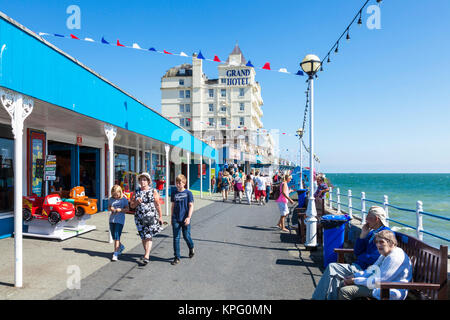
(338, 200)
(350, 210)
(419, 228)
(386, 208)
(363, 208)
(331, 198)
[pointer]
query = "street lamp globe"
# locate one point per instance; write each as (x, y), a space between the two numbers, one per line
(300, 133)
(310, 64)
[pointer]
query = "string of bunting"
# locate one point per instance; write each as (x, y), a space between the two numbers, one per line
(136, 46)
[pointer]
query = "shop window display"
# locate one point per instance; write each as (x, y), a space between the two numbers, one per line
(6, 175)
(124, 169)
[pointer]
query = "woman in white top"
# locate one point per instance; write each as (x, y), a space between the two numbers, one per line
(393, 265)
(249, 188)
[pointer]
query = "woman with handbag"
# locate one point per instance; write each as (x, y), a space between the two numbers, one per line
(148, 216)
(283, 202)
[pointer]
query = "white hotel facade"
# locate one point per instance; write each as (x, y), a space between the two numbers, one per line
(224, 112)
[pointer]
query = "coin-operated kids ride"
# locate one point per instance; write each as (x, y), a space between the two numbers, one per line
(129, 196)
(50, 208)
(83, 204)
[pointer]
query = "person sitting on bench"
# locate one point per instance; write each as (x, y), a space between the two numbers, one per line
(365, 250)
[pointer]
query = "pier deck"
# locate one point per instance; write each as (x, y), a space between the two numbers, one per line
(240, 254)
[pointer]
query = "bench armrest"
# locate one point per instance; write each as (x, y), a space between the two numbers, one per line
(385, 286)
(340, 252)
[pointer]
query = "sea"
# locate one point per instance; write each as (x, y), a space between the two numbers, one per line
(403, 190)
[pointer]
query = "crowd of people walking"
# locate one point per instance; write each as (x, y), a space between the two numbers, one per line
(255, 186)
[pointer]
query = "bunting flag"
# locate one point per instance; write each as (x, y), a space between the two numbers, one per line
(200, 56)
(266, 66)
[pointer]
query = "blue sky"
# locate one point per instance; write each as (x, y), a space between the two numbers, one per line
(381, 105)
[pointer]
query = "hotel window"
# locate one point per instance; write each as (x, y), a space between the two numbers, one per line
(182, 71)
(181, 108)
(241, 106)
(211, 107)
(241, 121)
(181, 82)
(223, 108)
(223, 93)
(223, 121)
(211, 93)
(188, 93)
(223, 80)
(187, 107)
(211, 122)
(182, 122)
(241, 92)
(181, 93)
(188, 122)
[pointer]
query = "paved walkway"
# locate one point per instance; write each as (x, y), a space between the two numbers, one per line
(240, 254)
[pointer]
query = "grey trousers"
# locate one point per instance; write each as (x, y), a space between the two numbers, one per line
(328, 286)
(354, 291)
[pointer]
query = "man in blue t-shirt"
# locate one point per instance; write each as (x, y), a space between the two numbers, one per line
(182, 209)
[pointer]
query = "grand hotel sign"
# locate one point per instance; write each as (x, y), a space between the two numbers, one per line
(237, 77)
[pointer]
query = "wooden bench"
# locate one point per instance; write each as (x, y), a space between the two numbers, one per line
(301, 212)
(429, 279)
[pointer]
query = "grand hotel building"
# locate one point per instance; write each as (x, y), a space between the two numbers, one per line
(224, 112)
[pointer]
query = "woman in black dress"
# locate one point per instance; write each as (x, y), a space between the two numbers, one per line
(148, 216)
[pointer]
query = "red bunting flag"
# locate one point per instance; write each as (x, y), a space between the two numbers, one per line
(267, 66)
(119, 44)
(166, 52)
(74, 37)
(216, 59)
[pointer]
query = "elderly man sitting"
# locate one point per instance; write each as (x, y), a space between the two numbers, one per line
(393, 265)
(365, 250)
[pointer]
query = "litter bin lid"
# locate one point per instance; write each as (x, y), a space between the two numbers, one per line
(331, 221)
(336, 217)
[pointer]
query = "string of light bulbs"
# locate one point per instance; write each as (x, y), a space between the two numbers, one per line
(346, 32)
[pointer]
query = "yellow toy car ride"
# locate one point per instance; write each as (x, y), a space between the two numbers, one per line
(83, 204)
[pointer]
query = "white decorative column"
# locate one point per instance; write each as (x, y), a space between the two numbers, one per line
(111, 133)
(19, 108)
(210, 186)
(201, 176)
(166, 202)
(188, 156)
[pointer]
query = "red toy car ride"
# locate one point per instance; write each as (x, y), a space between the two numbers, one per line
(49, 208)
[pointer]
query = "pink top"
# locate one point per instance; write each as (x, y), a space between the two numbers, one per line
(282, 198)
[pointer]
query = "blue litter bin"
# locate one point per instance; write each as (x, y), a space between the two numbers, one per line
(301, 197)
(333, 235)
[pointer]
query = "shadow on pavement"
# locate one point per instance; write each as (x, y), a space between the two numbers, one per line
(256, 228)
